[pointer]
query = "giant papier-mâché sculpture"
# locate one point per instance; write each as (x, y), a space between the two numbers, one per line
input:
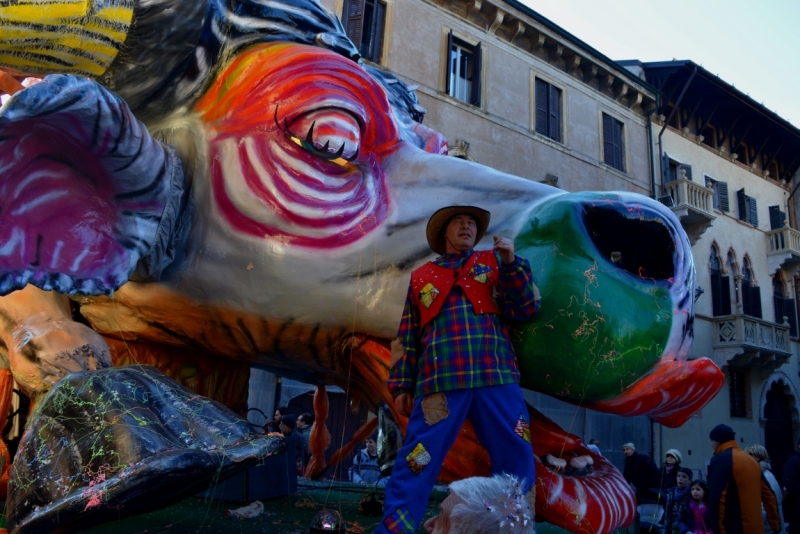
(215, 184)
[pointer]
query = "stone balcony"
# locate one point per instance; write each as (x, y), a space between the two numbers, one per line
(692, 203)
(745, 341)
(784, 250)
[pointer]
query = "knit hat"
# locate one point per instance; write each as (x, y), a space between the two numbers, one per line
(289, 420)
(630, 446)
(722, 433)
(675, 454)
(686, 471)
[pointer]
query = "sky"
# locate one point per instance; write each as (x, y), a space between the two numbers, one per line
(753, 45)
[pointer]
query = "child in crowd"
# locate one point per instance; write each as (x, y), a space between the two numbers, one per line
(692, 519)
(677, 499)
(365, 468)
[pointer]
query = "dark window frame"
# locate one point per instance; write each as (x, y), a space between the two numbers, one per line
(365, 24)
(720, 286)
(548, 110)
(748, 208)
(613, 142)
(475, 97)
(721, 197)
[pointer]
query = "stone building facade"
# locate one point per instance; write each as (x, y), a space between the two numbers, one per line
(511, 90)
(728, 167)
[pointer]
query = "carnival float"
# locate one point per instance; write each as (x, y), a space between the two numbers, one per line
(200, 186)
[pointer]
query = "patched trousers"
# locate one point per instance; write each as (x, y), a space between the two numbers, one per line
(500, 419)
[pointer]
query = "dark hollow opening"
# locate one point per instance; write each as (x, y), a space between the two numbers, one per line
(637, 245)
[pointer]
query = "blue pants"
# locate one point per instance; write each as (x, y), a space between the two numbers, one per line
(500, 419)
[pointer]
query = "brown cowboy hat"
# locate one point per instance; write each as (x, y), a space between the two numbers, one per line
(439, 221)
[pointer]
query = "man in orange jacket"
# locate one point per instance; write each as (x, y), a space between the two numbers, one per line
(736, 489)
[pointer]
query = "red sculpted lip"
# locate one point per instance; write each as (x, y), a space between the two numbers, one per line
(289, 184)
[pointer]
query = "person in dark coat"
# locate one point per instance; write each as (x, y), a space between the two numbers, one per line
(668, 475)
(735, 489)
(791, 482)
(288, 426)
(641, 472)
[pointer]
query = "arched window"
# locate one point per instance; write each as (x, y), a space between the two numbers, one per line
(720, 286)
(784, 307)
(751, 295)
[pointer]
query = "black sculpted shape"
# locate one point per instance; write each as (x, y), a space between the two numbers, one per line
(107, 444)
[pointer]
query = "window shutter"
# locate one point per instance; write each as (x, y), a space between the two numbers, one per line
(790, 312)
(555, 113)
(777, 303)
(755, 301)
(725, 294)
(746, 297)
(722, 191)
(448, 69)
(687, 168)
(753, 211)
(776, 218)
(743, 204)
(617, 127)
(541, 107)
(477, 69)
(716, 295)
(354, 11)
(608, 140)
(378, 23)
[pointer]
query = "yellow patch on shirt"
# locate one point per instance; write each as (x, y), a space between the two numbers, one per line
(428, 295)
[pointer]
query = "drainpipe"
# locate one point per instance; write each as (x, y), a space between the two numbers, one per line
(650, 146)
(674, 109)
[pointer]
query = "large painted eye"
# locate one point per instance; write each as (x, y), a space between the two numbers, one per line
(331, 134)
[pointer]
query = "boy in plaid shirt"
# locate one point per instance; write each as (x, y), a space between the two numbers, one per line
(453, 360)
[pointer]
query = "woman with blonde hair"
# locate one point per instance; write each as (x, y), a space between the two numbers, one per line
(760, 455)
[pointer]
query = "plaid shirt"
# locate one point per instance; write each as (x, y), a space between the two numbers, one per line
(459, 349)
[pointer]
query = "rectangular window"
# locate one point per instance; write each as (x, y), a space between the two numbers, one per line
(741, 154)
(364, 22)
(548, 110)
(464, 71)
(721, 200)
(709, 136)
(739, 390)
(748, 211)
(613, 146)
(751, 299)
(777, 218)
(720, 294)
(674, 170)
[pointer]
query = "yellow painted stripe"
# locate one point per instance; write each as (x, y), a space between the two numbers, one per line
(28, 64)
(120, 15)
(39, 13)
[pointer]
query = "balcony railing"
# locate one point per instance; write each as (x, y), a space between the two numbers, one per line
(747, 341)
(686, 193)
(784, 249)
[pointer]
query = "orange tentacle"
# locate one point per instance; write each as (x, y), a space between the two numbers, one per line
(320, 437)
(361, 434)
(6, 392)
